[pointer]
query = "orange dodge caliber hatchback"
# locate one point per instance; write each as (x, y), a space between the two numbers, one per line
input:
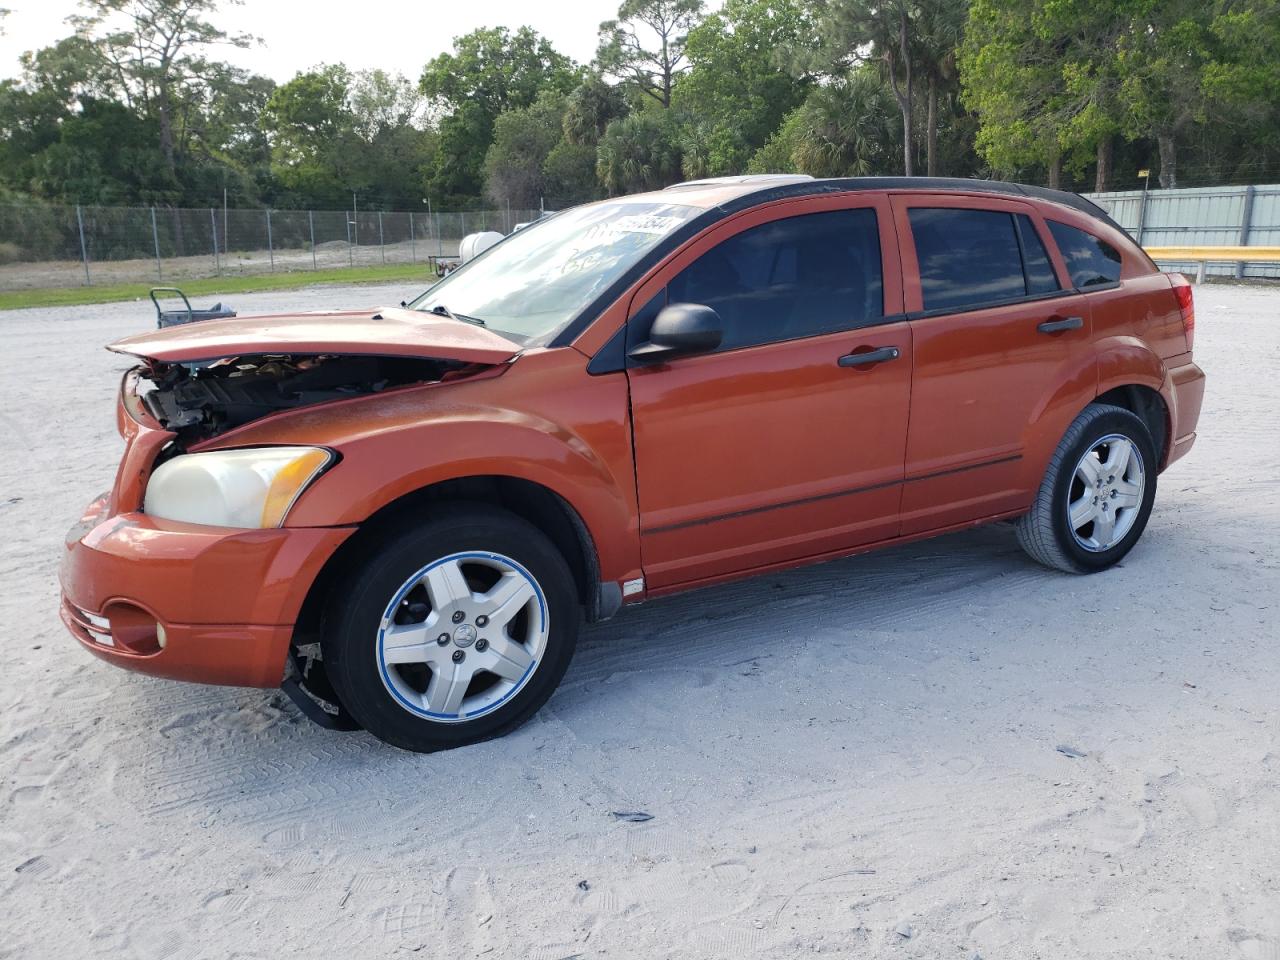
(403, 514)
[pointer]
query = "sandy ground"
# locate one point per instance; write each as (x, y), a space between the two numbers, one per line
(856, 760)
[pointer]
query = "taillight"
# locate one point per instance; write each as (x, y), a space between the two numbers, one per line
(1182, 290)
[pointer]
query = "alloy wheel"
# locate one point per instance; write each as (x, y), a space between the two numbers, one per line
(1106, 490)
(462, 636)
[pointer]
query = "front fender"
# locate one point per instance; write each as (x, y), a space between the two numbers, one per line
(545, 421)
(378, 469)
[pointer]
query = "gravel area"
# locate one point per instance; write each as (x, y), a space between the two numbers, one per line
(940, 751)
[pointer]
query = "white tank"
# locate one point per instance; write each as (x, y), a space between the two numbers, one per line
(474, 244)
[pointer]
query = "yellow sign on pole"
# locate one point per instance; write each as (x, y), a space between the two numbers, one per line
(1144, 173)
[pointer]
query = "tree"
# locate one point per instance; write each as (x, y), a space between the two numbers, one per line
(940, 32)
(310, 128)
(522, 142)
(1043, 81)
(569, 174)
(639, 152)
(1010, 79)
(590, 108)
(334, 133)
(488, 72)
(644, 46)
(853, 32)
(737, 89)
(156, 52)
(1178, 60)
(844, 128)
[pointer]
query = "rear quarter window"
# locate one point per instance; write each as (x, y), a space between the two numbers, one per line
(1090, 260)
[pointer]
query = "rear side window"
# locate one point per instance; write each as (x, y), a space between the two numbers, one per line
(971, 258)
(790, 278)
(1090, 261)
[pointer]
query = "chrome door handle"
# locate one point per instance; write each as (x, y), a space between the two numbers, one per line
(871, 356)
(1064, 323)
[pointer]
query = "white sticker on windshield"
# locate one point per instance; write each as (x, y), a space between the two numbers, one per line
(646, 223)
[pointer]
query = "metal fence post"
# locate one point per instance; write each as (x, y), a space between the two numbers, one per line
(155, 238)
(1142, 217)
(311, 223)
(351, 256)
(84, 250)
(435, 222)
(413, 241)
(381, 243)
(1246, 222)
(217, 258)
(271, 250)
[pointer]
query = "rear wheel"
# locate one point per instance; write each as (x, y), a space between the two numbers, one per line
(1096, 497)
(454, 631)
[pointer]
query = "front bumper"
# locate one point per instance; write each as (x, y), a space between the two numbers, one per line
(189, 602)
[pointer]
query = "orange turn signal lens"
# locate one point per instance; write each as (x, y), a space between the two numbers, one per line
(289, 482)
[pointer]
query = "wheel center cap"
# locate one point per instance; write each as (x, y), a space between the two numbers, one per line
(465, 635)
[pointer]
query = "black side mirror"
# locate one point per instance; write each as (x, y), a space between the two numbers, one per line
(680, 329)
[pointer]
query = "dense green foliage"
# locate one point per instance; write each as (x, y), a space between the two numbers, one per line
(136, 107)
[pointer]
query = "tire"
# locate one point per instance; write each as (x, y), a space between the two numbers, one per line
(1052, 532)
(468, 589)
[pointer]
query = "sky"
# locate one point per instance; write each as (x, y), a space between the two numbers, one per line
(296, 34)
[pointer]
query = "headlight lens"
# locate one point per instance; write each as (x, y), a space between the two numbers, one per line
(234, 488)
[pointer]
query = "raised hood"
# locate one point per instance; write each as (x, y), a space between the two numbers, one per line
(387, 332)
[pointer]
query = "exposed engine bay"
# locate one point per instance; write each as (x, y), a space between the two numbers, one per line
(201, 400)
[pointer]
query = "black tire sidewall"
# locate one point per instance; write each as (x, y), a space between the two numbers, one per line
(1107, 422)
(349, 640)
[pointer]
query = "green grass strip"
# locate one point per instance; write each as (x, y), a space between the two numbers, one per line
(419, 273)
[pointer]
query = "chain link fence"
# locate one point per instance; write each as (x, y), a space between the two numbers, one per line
(61, 246)
(54, 246)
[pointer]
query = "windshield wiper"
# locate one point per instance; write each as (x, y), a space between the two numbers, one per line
(440, 310)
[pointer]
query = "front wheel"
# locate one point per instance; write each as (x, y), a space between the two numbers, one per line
(453, 631)
(1096, 497)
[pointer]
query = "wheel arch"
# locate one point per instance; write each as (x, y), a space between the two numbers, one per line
(1150, 407)
(533, 502)
(1133, 376)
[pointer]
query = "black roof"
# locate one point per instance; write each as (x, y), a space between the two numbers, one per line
(801, 188)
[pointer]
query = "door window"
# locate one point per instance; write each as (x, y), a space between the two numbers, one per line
(1090, 261)
(972, 258)
(1035, 259)
(790, 278)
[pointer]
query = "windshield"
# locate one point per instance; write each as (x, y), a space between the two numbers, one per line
(533, 283)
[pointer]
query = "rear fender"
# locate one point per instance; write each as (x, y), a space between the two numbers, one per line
(1128, 361)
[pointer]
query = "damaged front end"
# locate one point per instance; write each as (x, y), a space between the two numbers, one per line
(201, 380)
(192, 541)
(201, 400)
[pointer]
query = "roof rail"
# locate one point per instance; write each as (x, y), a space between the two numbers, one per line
(778, 186)
(761, 178)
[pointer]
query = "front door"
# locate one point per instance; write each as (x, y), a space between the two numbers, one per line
(1002, 353)
(786, 442)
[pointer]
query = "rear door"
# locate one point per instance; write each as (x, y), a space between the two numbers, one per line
(1002, 355)
(784, 443)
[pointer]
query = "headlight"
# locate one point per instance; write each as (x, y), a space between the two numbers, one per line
(233, 488)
